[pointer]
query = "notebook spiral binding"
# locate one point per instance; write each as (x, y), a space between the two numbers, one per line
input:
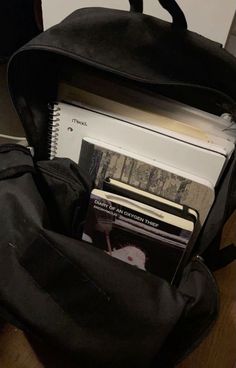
(54, 127)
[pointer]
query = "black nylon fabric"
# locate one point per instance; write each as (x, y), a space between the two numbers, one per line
(101, 311)
(171, 6)
(66, 191)
(136, 5)
(140, 46)
(181, 338)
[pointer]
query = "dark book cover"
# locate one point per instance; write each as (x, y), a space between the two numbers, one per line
(132, 236)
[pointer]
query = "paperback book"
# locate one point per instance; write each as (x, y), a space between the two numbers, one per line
(103, 161)
(148, 238)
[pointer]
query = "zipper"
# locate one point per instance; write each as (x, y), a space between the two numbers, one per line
(71, 55)
(200, 260)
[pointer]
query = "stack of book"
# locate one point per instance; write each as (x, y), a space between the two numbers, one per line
(155, 165)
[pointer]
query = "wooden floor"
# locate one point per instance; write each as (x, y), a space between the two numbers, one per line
(217, 351)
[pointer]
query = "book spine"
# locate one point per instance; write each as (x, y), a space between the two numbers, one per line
(107, 186)
(87, 161)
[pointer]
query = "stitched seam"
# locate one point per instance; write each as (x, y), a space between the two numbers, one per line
(98, 288)
(29, 276)
(16, 170)
(83, 58)
(52, 297)
(80, 269)
(5, 148)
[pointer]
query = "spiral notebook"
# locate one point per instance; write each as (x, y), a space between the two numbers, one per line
(70, 124)
(164, 116)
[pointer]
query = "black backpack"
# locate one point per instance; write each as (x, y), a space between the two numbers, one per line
(98, 310)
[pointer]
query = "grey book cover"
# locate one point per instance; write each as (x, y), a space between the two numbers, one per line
(102, 163)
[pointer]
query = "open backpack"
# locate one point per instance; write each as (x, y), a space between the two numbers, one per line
(101, 311)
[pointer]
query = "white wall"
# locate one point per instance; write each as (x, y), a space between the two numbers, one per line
(211, 18)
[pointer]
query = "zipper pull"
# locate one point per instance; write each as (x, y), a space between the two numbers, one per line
(199, 258)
